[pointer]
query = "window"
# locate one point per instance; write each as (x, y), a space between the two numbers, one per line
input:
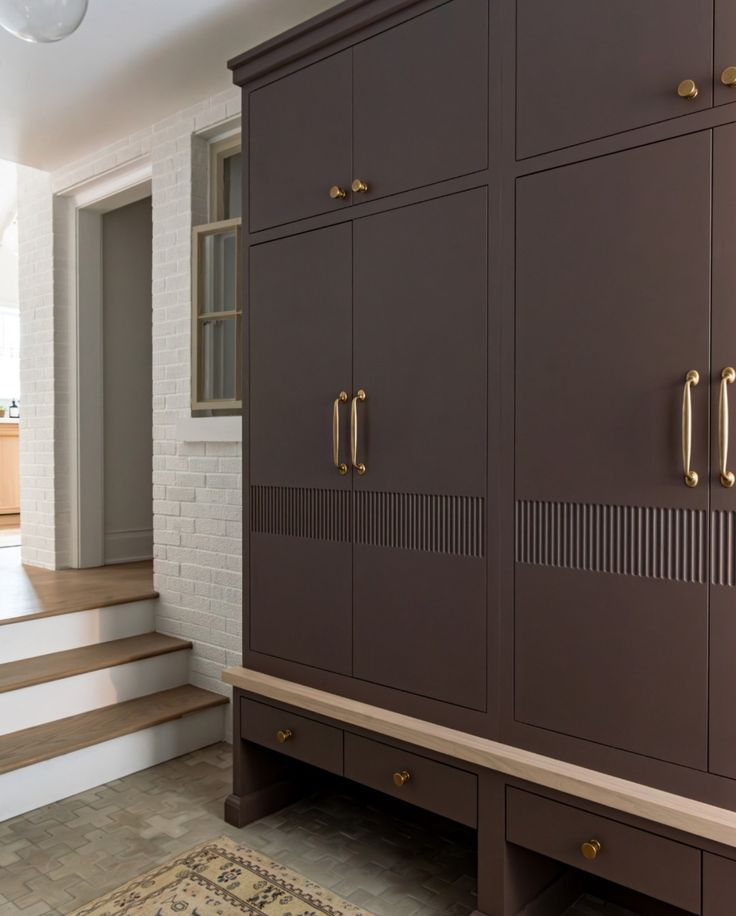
(216, 304)
(9, 353)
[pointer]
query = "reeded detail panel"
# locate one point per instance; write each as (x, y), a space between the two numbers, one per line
(723, 541)
(625, 540)
(301, 512)
(416, 521)
(404, 521)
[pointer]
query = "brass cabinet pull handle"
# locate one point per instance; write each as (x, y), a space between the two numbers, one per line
(358, 186)
(691, 477)
(727, 378)
(283, 735)
(337, 193)
(688, 89)
(340, 465)
(360, 396)
(591, 849)
(401, 778)
(728, 77)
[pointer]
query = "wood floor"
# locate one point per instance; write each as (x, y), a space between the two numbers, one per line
(27, 592)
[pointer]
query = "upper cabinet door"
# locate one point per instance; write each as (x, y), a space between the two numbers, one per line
(421, 100)
(590, 69)
(725, 48)
(299, 143)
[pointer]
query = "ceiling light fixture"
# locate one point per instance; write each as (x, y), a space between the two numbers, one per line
(42, 20)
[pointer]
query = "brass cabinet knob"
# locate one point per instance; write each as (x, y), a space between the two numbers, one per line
(591, 850)
(359, 186)
(688, 90)
(337, 193)
(401, 778)
(728, 77)
(283, 735)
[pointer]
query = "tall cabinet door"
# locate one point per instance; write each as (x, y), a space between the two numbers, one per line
(723, 498)
(613, 310)
(420, 344)
(300, 361)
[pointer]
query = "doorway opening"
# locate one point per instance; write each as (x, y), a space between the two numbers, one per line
(9, 360)
(112, 512)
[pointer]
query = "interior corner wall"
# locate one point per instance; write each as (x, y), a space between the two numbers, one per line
(196, 485)
(38, 466)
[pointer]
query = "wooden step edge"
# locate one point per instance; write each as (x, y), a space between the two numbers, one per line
(23, 616)
(55, 666)
(54, 739)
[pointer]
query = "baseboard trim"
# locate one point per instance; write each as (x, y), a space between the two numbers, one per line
(129, 546)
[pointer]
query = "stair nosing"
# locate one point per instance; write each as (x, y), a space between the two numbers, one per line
(23, 617)
(199, 700)
(178, 645)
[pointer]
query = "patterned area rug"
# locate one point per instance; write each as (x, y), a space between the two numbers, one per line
(220, 878)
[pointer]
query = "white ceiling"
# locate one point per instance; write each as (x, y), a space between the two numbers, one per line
(130, 64)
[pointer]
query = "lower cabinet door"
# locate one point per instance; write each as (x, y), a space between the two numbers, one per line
(420, 345)
(719, 886)
(300, 342)
(611, 581)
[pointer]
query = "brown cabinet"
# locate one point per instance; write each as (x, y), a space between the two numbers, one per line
(587, 70)
(634, 858)
(402, 109)
(719, 885)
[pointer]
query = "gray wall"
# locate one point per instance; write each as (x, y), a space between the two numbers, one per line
(127, 321)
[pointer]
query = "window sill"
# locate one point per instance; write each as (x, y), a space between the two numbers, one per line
(209, 429)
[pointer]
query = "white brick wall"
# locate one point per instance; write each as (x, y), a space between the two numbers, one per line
(197, 486)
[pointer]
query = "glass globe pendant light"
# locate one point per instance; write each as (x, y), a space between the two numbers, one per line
(42, 20)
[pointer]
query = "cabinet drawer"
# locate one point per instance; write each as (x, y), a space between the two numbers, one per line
(719, 886)
(587, 70)
(634, 858)
(292, 734)
(434, 786)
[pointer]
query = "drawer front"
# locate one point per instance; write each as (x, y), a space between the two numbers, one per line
(719, 886)
(642, 861)
(293, 735)
(587, 70)
(434, 786)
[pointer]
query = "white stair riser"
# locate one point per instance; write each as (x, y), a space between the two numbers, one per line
(42, 783)
(69, 696)
(29, 638)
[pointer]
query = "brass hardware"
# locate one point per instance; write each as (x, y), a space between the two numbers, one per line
(337, 193)
(728, 77)
(728, 376)
(283, 735)
(360, 396)
(340, 465)
(591, 850)
(688, 90)
(359, 186)
(691, 477)
(401, 778)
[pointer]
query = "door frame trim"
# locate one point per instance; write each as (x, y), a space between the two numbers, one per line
(82, 207)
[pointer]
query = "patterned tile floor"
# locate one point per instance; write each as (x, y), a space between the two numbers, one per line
(360, 844)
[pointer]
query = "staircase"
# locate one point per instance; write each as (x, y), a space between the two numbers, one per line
(88, 696)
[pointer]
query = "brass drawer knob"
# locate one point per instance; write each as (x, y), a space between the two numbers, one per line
(283, 735)
(401, 779)
(337, 193)
(728, 77)
(688, 90)
(359, 186)
(591, 850)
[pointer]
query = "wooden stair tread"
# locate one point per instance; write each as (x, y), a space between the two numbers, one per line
(30, 592)
(53, 739)
(30, 671)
